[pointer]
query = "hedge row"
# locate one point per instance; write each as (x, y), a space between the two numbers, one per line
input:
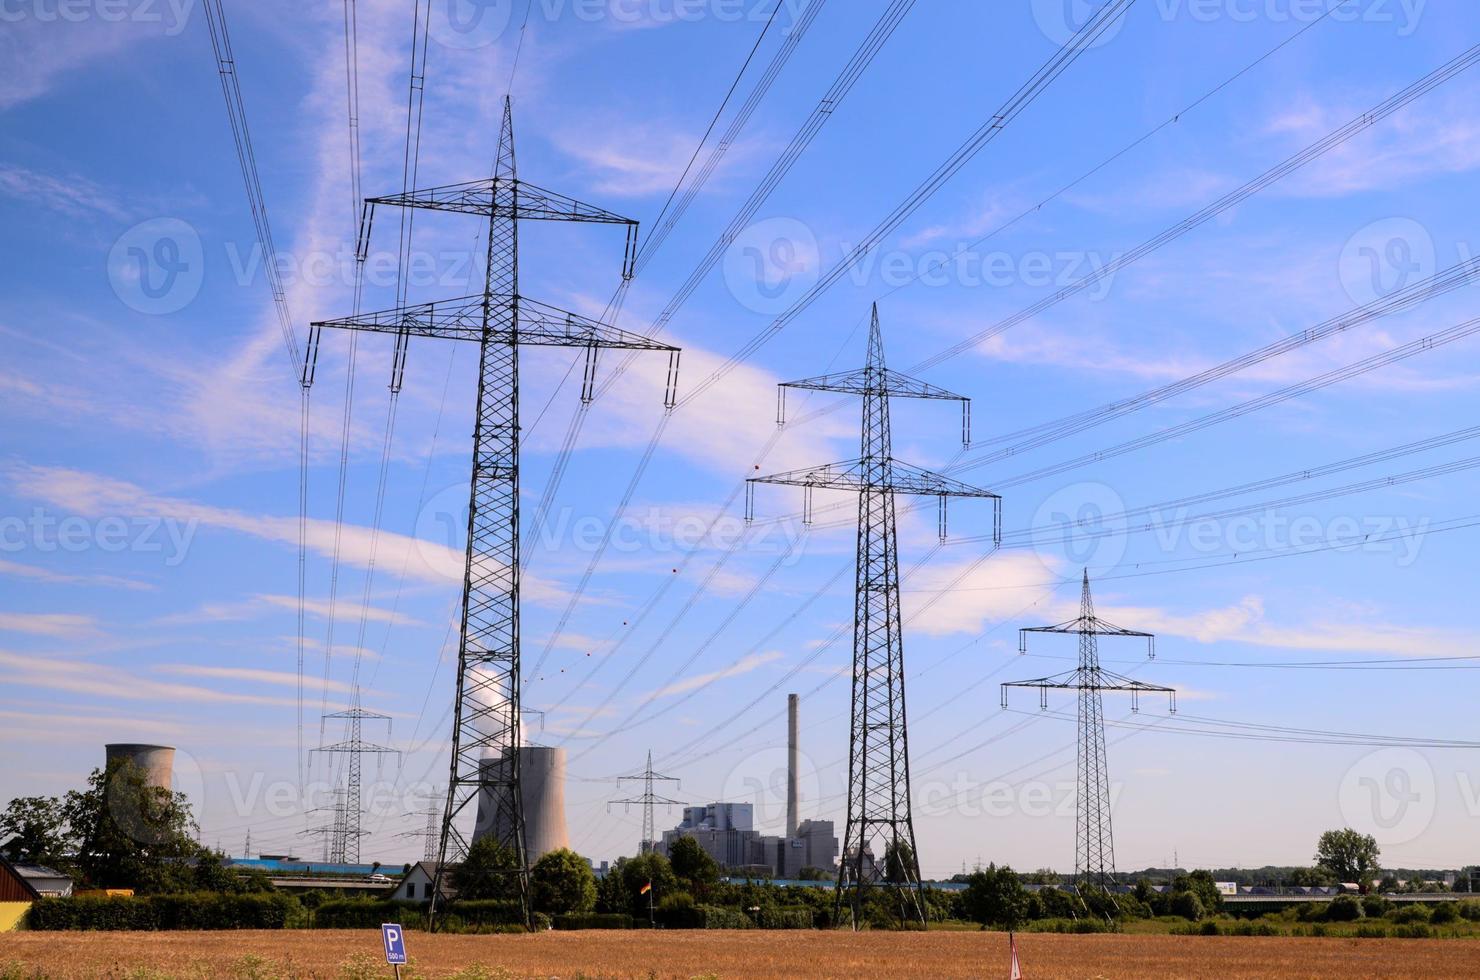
(784, 918)
(471, 916)
(201, 910)
(609, 920)
(704, 917)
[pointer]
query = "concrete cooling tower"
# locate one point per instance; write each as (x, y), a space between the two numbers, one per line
(156, 762)
(542, 775)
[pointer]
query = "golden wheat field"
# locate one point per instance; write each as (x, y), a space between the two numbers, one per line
(354, 954)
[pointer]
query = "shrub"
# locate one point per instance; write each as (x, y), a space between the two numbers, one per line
(783, 918)
(1469, 909)
(1344, 908)
(1371, 930)
(1416, 930)
(1375, 906)
(344, 913)
(1444, 913)
(1409, 914)
(594, 920)
(1187, 905)
(194, 910)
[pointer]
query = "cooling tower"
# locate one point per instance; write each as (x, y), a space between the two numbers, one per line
(791, 764)
(542, 774)
(156, 762)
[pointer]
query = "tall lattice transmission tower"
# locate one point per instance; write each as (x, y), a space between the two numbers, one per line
(648, 801)
(486, 731)
(335, 833)
(430, 835)
(1094, 846)
(879, 841)
(349, 822)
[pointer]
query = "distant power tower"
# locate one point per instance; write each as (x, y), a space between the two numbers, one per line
(1094, 847)
(346, 841)
(430, 836)
(486, 709)
(648, 800)
(879, 843)
(335, 834)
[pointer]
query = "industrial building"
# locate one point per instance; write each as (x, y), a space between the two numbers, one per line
(542, 782)
(727, 831)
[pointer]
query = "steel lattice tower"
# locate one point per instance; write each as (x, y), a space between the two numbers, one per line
(349, 823)
(648, 801)
(1094, 846)
(879, 841)
(486, 730)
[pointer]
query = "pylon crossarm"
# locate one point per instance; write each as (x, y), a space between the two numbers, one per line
(855, 475)
(481, 197)
(875, 381)
(540, 324)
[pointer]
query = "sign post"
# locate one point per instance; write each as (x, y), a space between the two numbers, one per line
(395, 945)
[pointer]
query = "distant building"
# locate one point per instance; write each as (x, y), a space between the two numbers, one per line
(22, 882)
(727, 834)
(416, 886)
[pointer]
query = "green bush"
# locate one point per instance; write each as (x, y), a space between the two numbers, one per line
(1444, 913)
(783, 918)
(1375, 906)
(1344, 908)
(704, 917)
(1416, 930)
(194, 910)
(1067, 926)
(352, 913)
(1368, 930)
(594, 920)
(1469, 909)
(1409, 914)
(1187, 905)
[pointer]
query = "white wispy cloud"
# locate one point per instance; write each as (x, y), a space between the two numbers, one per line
(48, 624)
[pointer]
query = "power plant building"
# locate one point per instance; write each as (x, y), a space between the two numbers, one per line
(542, 789)
(727, 831)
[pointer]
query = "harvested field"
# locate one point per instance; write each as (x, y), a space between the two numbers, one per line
(725, 954)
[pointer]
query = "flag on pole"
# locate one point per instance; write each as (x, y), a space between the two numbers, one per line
(646, 888)
(1017, 972)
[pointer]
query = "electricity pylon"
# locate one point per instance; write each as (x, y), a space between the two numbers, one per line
(334, 834)
(878, 749)
(346, 842)
(500, 320)
(647, 801)
(430, 835)
(1094, 847)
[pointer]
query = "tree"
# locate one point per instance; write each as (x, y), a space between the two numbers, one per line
(34, 829)
(995, 897)
(692, 863)
(645, 869)
(1349, 856)
(1201, 884)
(899, 863)
(131, 834)
(1187, 905)
(562, 882)
(489, 871)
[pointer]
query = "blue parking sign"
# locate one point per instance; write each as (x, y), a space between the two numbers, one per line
(395, 943)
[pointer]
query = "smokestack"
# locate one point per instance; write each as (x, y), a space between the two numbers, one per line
(792, 701)
(155, 763)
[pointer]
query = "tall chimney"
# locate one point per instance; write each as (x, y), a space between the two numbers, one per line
(791, 764)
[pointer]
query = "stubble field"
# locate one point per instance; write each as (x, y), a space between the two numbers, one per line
(335, 953)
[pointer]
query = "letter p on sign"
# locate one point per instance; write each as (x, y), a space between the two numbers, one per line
(395, 943)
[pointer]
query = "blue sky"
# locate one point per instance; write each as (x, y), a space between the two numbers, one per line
(149, 479)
